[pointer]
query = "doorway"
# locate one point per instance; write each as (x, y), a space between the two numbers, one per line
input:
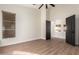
(48, 30)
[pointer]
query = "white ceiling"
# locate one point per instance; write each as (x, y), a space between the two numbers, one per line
(31, 5)
(36, 6)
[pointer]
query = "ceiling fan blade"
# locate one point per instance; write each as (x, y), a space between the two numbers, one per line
(46, 6)
(52, 5)
(41, 6)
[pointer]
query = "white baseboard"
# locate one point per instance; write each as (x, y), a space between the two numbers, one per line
(3, 43)
(58, 38)
(43, 38)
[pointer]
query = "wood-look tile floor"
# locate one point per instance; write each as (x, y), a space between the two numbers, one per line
(41, 47)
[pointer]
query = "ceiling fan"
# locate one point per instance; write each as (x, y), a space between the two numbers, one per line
(46, 5)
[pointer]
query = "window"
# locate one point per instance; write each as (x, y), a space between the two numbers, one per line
(8, 24)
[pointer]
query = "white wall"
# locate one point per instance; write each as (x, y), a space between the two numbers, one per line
(28, 24)
(43, 22)
(44, 16)
(59, 13)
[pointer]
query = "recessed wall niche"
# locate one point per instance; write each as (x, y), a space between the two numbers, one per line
(8, 25)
